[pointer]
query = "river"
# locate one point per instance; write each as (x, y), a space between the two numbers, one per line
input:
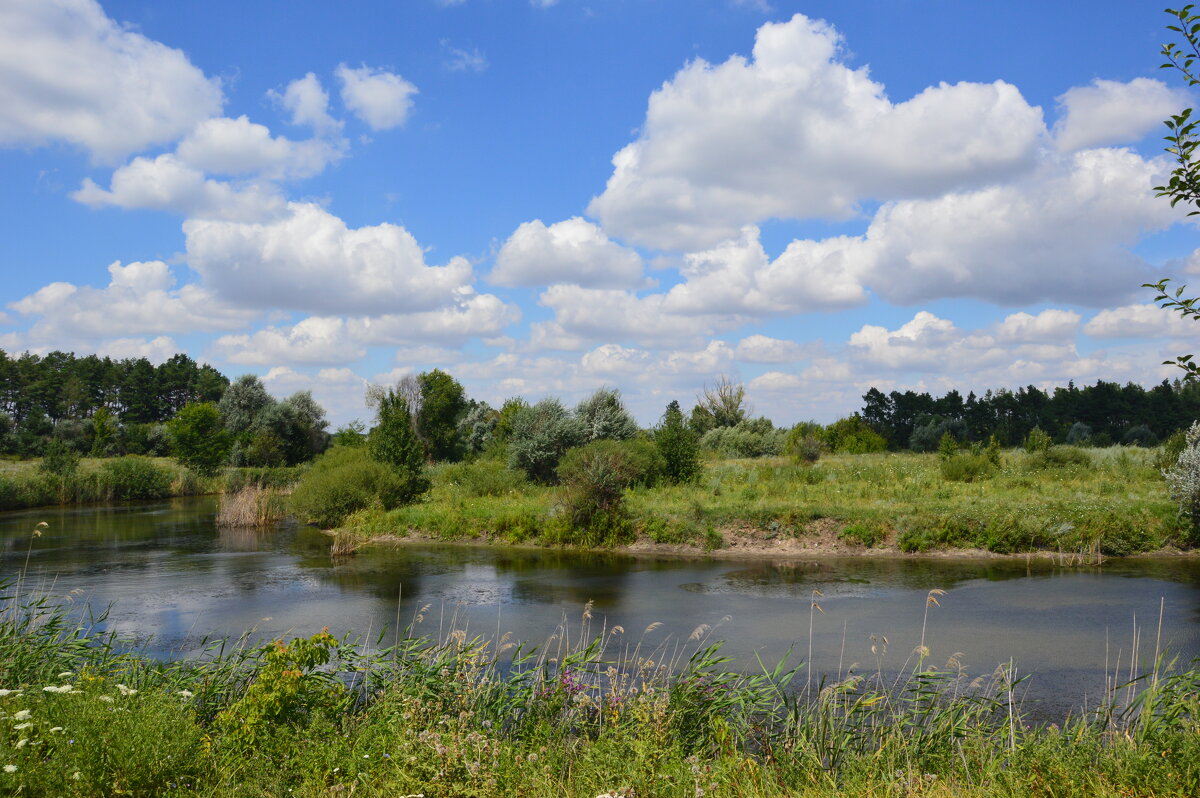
(169, 579)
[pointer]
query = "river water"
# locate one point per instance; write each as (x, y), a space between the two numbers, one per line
(169, 579)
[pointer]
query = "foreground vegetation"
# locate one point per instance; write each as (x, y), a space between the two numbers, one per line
(1087, 502)
(593, 712)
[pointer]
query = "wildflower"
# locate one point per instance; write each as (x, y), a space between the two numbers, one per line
(10, 768)
(77, 775)
(5, 693)
(66, 688)
(105, 698)
(185, 694)
(24, 742)
(65, 675)
(22, 715)
(57, 729)
(126, 690)
(22, 726)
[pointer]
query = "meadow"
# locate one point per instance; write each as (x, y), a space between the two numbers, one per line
(1082, 503)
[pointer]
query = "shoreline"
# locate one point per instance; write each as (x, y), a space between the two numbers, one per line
(747, 547)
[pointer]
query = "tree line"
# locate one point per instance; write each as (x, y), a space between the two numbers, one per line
(1103, 414)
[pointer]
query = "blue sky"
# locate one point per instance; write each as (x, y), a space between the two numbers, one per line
(546, 197)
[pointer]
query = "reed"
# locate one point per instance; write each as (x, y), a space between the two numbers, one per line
(252, 506)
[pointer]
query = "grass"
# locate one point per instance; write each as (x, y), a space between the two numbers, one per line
(590, 712)
(1109, 502)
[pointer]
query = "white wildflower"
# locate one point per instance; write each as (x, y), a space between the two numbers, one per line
(24, 742)
(22, 715)
(65, 675)
(77, 775)
(66, 688)
(10, 768)
(105, 698)
(25, 725)
(56, 729)
(185, 694)
(6, 693)
(126, 690)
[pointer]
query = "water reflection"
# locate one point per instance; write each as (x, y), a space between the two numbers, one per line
(172, 579)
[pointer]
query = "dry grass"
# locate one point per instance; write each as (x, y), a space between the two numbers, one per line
(252, 506)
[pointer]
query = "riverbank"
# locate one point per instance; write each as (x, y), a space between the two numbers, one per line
(1097, 503)
(593, 712)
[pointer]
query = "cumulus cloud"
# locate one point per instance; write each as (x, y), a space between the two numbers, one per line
(1049, 326)
(140, 299)
(166, 183)
(764, 349)
(593, 313)
(157, 350)
(737, 276)
(379, 98)
(1110, 112)
(795, 132)
(339, 390)
(467, 315)
(69, 73)
(573, 251)
(1140, 321)
(309, 260)
(308, 103)
(240, 147)
(315, 340)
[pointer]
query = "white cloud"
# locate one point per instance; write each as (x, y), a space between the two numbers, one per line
(794, 132)
(573, 251)
(239, 147)
(593, 313)
(460, 60)
(543, 3)
(69, 73)
(308, 103)
(167, 184)
(140, 299)
(381, 99)
(1049, 326)
(157, 350)
(316, 340)
(764, 349)
(1140, 321)
(738, 277)
(467, 315)
(310, 260)
(339, 390)
(1110, 112)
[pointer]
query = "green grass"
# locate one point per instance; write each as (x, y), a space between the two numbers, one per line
(587, 714)
(1107, 501)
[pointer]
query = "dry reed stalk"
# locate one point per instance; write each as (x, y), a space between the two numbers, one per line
(344, 544)
(250, 506)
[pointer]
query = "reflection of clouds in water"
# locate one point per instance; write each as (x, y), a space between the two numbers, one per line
(480, 584)
(786, 582)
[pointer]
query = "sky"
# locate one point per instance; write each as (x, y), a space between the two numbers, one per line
(545, 197)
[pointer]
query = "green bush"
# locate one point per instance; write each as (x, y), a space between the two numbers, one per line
(747, 439)
(134, 477)
(541, 434)
(594, 479)
(853, 435)
(803, 442)
(263, 477)
(484, 478)
(1038, 440)
(868, 534)
(344, 480)
(1059, 457)
(1168, 453)
(966, 467)
(679, 446)
(1140, 435)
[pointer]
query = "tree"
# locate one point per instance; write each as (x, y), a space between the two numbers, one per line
(603, 416)
(105, 433)
(723, 405)
(394, 443)
(198, 439)
(1184, 185)
(443, 405)
(540, 436)
(679, 446)
(242, 403)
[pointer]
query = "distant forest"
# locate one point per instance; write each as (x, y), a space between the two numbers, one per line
(62, 397)
(1097, 415)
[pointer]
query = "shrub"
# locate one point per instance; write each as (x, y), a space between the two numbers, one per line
(803, 442)
(485, 478)
(134, 477)
(853, 435)
(394, 444)
(868, 534)
(1170, 450)
(60, 460)
(925, 438)
(541, 435)
(603, 416)
(344, 480)
(1140, 435)
(1038, 440)
(966, 467)
(1059, 457)
(198, 439)
(679, 447)
(747, 439)
(1079, 434)
(1183, 478)
(594, 479)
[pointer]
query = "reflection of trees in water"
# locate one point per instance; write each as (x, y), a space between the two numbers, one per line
(900, 571)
